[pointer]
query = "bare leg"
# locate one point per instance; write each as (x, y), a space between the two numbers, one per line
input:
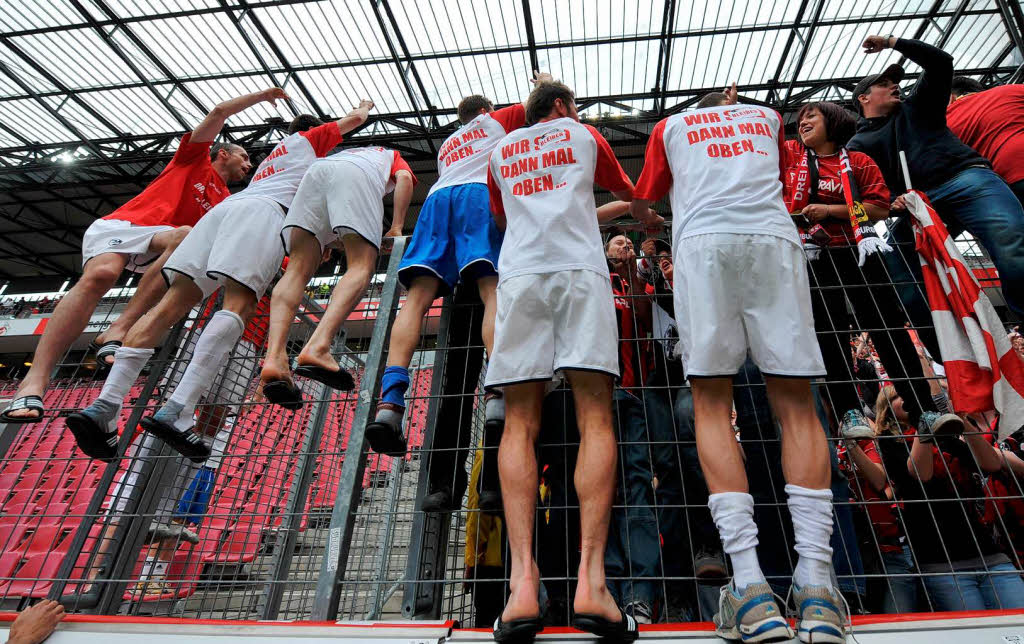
(68, 321)
(720, 456)
(517, 467)
(595, 487)
(302, 264)
(173, 306)
(489, 296)
(405, 333)
(361, 256)
(805, 459)
(151, 288)
(36, 623)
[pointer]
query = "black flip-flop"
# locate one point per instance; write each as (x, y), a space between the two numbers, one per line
(284, 394)
(624, 630)
(187, 443)
(340, 379)
(105, 350)
(24, 402)
(385, 439)
(517, 630)
(92, 439)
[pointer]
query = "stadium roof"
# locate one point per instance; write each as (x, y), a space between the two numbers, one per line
(94, 94)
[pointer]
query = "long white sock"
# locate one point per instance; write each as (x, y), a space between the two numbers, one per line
(733, 513)
(211, 352)
(812, 530)
(128, 364)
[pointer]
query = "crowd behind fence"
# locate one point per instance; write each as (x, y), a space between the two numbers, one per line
(294, 518)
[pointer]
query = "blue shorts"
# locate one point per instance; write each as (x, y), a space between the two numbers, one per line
(455, 237)
(193, 503)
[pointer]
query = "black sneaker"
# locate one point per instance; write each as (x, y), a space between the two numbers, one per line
(490, 502)
(438, 501)
(187, 443)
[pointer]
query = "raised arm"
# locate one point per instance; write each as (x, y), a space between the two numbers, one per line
(214, 121)
(932, 90)
(403, 195)
(356, 117)
(538, 78)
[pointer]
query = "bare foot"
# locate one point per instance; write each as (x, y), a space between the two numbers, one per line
(276, 368)
(36, 623)
(317, 358)
(523, 602)
(596, 601)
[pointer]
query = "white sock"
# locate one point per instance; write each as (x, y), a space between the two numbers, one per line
(812, 530)
(733, 513)
(211, 352)
(128, 364)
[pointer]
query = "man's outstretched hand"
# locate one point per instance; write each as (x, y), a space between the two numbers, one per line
(541, 77)
(274, 94)
(731, 95)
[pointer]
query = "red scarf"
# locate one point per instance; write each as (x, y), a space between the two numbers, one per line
(814, 235)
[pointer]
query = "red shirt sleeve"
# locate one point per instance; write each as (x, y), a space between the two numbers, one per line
(511, 118)
(656, 177)
(782, 158)
(400, 164)
(497, 205)
(189, 152)
(323, 138)
(869, 180)
(608, 173)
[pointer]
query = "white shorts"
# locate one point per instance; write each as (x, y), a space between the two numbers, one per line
(737, 292)
(121, 237)
(335, 198)
(547, 322)
(239, 239)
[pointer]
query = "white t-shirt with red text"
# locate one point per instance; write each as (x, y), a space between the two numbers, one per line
(463, 157)
(278, 176)
(722, 167)
(379, 164)
(542, 179)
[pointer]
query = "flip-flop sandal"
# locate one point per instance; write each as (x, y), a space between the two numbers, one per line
(385, 439)
(24, 402)
(340, 379)
(187, 443)
(91, 438)
(104, 351)
(284, 394)
(517, 630)
(624, 630)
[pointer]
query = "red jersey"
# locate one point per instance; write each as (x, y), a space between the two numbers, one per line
(992, 122)
(182, 193)
(869, 180)
(633, 349)
(878, 506)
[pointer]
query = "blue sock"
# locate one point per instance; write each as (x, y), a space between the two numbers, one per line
(393, 385)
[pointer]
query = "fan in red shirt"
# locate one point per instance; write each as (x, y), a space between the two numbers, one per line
(992, 122)
(812, 176)
(139, 236)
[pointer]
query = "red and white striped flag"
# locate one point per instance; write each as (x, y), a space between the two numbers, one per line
(982, 369)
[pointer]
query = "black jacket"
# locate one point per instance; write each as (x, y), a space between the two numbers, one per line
(918, 126)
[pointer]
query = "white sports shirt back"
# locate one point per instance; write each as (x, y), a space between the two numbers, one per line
(463, 157)
(278, 176)
(542, 178)
(379, 164)
(722, 167)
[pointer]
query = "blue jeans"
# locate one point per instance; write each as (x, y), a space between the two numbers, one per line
(999, 587)
(901, 588)
(633, 552)
(979, 201)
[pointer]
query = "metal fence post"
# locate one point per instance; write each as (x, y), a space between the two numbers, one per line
(95, 600)
(339, 536)
(427, 544)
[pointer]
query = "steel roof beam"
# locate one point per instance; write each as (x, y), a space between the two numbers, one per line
(488, 51)
(664, 54)
(807, 39)
(531, 41)
(107, 38)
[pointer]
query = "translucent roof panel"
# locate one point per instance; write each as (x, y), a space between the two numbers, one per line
(415, 54)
